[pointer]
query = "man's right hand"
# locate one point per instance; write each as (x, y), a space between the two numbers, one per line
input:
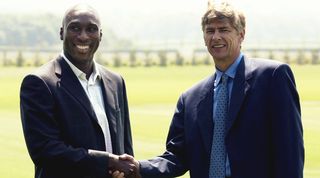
(135, 174)
(126, 167)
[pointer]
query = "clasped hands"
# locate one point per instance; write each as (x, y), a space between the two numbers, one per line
(124, 166)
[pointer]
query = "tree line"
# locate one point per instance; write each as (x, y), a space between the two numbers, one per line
(41, 30)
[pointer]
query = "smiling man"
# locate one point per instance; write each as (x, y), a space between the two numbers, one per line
(74, 111)
(243, 121)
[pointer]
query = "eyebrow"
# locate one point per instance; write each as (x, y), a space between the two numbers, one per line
(219, 28)
(78, 23)
(224, 27)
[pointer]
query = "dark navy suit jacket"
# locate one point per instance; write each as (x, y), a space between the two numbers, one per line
(60, 125)
(264, 130)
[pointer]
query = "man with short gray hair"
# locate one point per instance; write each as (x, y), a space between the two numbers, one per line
(243, 121)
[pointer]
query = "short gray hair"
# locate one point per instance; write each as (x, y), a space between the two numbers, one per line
(224, 10)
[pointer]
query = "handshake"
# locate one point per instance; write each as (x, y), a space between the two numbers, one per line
(123, 166)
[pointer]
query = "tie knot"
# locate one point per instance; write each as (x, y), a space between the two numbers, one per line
(224, 78)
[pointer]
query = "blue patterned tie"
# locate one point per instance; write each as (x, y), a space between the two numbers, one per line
(218, 150)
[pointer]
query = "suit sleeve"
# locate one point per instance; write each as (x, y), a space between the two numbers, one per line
(43, 133)
(172, 162)
(287, 133)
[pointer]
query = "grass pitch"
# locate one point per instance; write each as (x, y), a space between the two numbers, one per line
(152, 94)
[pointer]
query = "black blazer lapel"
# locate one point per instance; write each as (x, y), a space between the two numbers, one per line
(239, 91)
(71, 83)
(205, 113)
(111, 104)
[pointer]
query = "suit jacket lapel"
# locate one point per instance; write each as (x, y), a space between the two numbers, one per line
(71, 83)
(111, 104)
(239, 91)
(205, 106)
(205, 113)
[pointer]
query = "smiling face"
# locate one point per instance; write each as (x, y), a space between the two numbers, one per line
(81, 35)
(223, 42)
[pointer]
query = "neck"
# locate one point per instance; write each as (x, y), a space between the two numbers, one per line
(85, 66)
(222, 67)
(224, 64)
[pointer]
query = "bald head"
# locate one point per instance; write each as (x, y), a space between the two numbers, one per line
(77, 9)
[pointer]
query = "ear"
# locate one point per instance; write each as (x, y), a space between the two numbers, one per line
(100, 34)
(242, 34)
(61, 33)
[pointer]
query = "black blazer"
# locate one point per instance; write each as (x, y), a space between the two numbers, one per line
(264, 130)
(60, 125)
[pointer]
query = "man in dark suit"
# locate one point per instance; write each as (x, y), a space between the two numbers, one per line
(242, 122)
(74, 111)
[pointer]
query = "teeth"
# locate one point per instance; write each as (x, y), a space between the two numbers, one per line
(218, 46)
(83, 47)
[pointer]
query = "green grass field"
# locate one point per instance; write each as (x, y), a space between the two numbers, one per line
(152, 94)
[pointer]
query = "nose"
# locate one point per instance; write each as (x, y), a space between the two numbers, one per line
(216, 36)
(83, 36)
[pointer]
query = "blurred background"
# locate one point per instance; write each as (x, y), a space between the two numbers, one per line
(160, 24)
(157, 46)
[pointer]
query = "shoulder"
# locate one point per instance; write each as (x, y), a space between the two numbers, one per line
(46, 72)
(268, 71)
(201, 85)
(42, 79)
(260, 65)
(199, 89)
(47, 69)
(263, 63)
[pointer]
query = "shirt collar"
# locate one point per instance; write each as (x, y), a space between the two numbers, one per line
(81, 75)
(230, 72)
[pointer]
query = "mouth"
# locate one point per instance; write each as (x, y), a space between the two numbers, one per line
(82, 48)
(218, 46)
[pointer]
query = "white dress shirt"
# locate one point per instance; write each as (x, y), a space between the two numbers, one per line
(92, 87)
